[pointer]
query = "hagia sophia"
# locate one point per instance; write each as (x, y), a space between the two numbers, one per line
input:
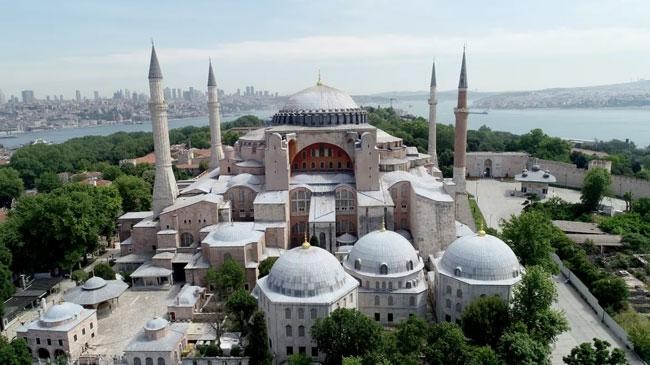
(394, 238)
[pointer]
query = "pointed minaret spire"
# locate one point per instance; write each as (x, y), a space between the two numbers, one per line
(214, 117)
(433, 106)
(462, 82)
(165, 190)
(211, 80)
(154, 66)
(319, 82)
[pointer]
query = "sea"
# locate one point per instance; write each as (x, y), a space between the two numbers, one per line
(578, 124)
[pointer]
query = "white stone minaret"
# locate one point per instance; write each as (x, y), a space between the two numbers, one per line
(164, 189)
(460, 144)
(433, 106)
(216, 150)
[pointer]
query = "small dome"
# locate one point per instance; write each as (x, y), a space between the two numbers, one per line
(382, 252)
(94, 283)
(319, 98)
(61, 312)
(306, 271)
(234, 232)
(244, 179)
(156, 324)
(480, 257)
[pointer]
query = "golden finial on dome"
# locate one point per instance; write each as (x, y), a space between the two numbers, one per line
(383, 224)
(481, 231)
(306, 243)
(319, 83)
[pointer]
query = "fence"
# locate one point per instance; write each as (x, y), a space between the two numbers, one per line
(604, 317)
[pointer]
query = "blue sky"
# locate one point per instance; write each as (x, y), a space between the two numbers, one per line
(362, 46)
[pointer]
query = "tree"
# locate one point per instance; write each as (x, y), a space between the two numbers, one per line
(210, 350)
(104, 271)
(135, 193)
(346, 332)
(595, 186)
(596, 354)
(446, 345)
(266, 265)
(242, 305)
(258, 344)
(482, 355)
(519, 348)
(530, 235)
(79, 276)
(230, 276)
(299, 359)
(14, 352)
(411, 335)
(47, 182)
(352, 360)
(485, 320)
(531, 306)
(314, 241)
(611, 291)
(11, 186)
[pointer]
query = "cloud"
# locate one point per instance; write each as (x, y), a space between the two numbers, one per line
(556, 42)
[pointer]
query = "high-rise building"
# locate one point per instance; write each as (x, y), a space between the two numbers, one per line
(174, 93)
(61, 98)
(77, 96)
(2, 98)
(167, 92)
(96, 95)
(28, 96)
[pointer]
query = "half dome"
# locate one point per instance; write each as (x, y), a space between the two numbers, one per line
(480, 257)
(382, 252)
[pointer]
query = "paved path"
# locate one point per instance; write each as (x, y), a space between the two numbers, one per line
(495, 202)
(584, 324)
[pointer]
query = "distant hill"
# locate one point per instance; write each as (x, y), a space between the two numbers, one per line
(630, 94)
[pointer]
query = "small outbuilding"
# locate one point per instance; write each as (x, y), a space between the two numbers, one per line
(535, 181)
(97, 293)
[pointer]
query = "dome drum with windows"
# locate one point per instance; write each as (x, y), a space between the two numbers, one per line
(320, 105)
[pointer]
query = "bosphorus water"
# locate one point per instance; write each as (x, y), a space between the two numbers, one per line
(588, 124)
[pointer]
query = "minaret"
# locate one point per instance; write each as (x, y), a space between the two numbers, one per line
(460, 145)
(433, 105)
(164, 189)
(216, 151)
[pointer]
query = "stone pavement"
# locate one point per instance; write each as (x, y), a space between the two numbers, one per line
(584, 325)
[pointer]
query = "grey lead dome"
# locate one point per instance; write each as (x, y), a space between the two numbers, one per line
(480, 257)
(306, 272)
(382, 247)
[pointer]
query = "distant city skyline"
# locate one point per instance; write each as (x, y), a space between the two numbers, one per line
(362, 47)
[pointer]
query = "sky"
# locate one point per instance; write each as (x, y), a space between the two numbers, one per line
(360, 46)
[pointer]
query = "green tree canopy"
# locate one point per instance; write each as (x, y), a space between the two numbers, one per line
(596, 354)
(135, 193)
(258, 341)
(446, 345)
(595, 186)
(345, 332)
(47, 182)
(104, 271)
(266, 265)
(299, 359)
(242, 305)
(611, 291)
(14, 352)
(530, 235)
(519, 348)
(485, 320)
(230, 276)
(11, 186)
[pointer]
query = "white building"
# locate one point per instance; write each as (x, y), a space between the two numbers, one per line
(535, 181)
(473, 266)
(390, 273)
(64, 329)
(305, 284)
(158, 343)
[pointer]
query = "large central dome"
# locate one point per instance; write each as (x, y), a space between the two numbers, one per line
(320, 105)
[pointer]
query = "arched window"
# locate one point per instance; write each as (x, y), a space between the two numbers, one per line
(301, 313)
(161, 361)
(376, 299)
(288, 331)
(301, 331)
(148, 361)
(383, 269)
(448, 290)
(313, 313)
(458, 307)
(287, 313)
(136, 361)
(459, 293)
(186, 239)
(458, 271)
(412, 301)
(345, 201)
(408, 285)
(448, 303)
(409, 265)
(357, 264)
(390, 300)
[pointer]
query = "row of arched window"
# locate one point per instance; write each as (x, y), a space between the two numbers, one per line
(383, 286)
(289, 331)
(383, 267)
(320, 118)
(148, 361)
(390, 300)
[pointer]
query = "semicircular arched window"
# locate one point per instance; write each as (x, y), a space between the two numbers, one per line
(458, 271)
(357, 264)
(383, 269)
(409, 265)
